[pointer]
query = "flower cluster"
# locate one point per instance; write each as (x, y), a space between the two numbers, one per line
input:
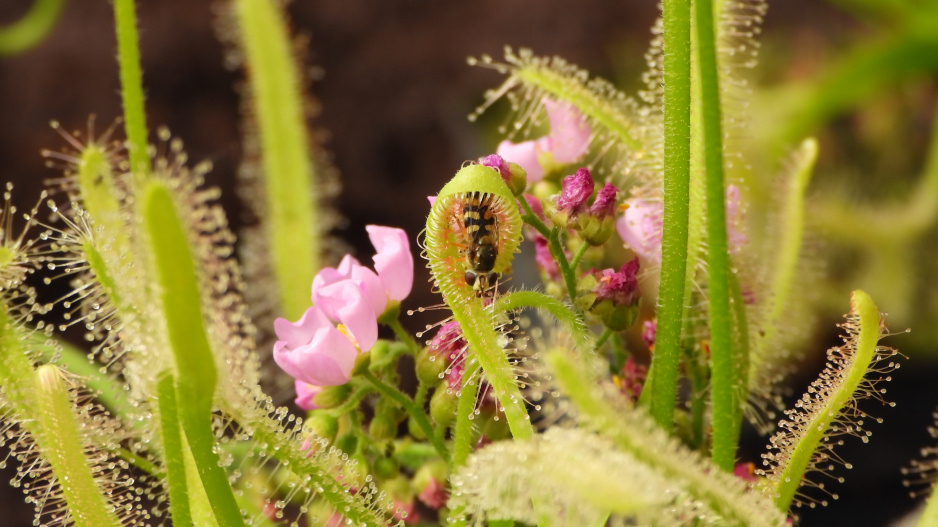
(320, 348)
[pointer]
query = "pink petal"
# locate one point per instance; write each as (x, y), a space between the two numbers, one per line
(305, 394)
(393, 260)
(640, 228)
(347, 264)
(300, 333)
(326, 361)
(350, 270)
(525, 155)
(431, 199)
(372, 287)
(345, 303)
(569, 137)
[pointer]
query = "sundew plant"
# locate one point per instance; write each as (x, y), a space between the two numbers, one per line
(677, 281)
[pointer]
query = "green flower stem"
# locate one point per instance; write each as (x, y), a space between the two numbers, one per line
(32, 28)
(724, 402)
(173, 450)
(57, 433)
(799, 459)
(352, 402)
(131, 77)
(579, 255)
(194, 362)
(288, 170)
(553, 243)
(572, 320)
(531, 219)
(404, 336)
(138, 461)
(417, 413)
(602, 339)
(463, 430)
(677, 62)
(556, 250)
(420, 398)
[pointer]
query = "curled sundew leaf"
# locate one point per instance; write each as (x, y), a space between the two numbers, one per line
(806, 437)
(703, 491)
(446, 247)
(569, 475)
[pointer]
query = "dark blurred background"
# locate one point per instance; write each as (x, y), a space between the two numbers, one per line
(394, 91)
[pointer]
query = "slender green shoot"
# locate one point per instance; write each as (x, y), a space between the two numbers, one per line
(173, 450)
(195, 364)
(725, 402)
(131, 77)
(677, 62)
(62, 446)
(288, 171)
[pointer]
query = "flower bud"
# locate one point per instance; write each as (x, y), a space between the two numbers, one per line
(386, 468)
(575, 192)
(382, 427)
(447, 345)
(612, 295)
(323, 424)
(332, 396)
(415, 430)
(443, 405)
(597, 226)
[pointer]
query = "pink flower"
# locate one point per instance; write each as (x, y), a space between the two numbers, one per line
(354, 299)
(576, 190)
(640, 228)
(305, 393)
(620, 287)
(498, 163)
(355, 296)
(313, 351)
(568, 141)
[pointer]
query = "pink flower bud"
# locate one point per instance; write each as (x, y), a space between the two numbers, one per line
(575, 192)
